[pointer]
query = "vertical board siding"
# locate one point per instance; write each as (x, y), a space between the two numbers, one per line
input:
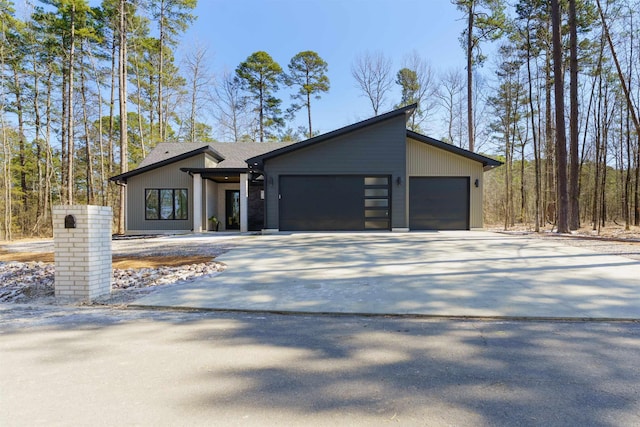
(425, 160)
(169, 176)
(374, 150)
(209, 162)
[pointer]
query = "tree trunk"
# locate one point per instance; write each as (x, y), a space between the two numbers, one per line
(49, 169)
(22, 159)
(636, 202)
(470, 24)
(139, 106)
(112, 104)
(261, 115)
(6, 175)
(64, 174)
(88, 153)
(536, 152)
(309, 114)
(122, 97)
(103, 178)
(161, 72)
(574, 192)
(70, 122)
(37, 122)
(562, 205)
(549, 166)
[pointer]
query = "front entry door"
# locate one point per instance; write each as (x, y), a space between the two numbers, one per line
(232, 209)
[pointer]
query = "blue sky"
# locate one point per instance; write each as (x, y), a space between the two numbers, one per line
(338, 30)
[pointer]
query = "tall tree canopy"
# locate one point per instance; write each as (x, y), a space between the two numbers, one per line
(260, 75)
(485, 21)
(307, 72)
(417, 85)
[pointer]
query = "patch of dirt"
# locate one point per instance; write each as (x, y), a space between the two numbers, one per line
(6, 256)
(120, 262)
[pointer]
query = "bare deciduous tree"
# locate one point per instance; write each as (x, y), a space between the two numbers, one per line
(230, 108)
(200, 81)
(450, 97)
(425, 90)
(372, 72)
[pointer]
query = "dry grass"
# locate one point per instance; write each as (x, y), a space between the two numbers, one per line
(159, 261)
(611, 231)
(26, 256)
(120, 262)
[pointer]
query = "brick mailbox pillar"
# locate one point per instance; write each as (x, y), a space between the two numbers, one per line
(82, 249)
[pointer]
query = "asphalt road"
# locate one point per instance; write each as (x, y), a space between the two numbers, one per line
(95, 366)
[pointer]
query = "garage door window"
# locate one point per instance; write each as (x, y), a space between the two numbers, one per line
(376, 202)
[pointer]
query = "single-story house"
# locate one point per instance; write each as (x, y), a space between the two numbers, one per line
(372, 175)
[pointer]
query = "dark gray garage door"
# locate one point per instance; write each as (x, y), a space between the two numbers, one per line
(334, 203)
(439, 203)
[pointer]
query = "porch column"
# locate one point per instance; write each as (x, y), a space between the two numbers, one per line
(244, 202)
(197, 203)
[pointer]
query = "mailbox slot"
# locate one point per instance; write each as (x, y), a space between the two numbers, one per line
(69, 221)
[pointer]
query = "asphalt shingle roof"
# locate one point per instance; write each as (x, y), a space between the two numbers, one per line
(235, 153)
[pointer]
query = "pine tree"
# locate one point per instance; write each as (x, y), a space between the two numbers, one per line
(259, 75)
(308, 72)
(485, 21)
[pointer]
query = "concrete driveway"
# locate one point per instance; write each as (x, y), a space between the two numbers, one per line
(466, 273)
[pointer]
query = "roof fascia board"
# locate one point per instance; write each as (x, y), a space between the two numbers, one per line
(215, 171)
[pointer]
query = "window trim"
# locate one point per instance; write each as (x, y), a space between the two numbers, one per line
(174, 208)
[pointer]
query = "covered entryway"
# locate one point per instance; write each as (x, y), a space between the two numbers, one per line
(439, 203)
(334, 203)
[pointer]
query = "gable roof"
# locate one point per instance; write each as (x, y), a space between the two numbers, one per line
(166, 156)
(236, 153)
(230, 155)
(257, 161)
(487, 162)
(168, 150)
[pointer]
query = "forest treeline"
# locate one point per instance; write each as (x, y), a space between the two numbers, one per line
(68, 70)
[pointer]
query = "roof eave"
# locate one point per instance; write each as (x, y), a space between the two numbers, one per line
(217, 171)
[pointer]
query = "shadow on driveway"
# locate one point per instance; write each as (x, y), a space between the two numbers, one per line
(432, 274)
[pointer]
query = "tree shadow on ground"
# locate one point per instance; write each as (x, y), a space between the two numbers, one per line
(346, 369)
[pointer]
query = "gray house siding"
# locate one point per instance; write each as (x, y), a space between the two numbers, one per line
(169, 176)
(378, 149)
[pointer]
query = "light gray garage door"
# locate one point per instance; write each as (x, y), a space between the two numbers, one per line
(439, 203)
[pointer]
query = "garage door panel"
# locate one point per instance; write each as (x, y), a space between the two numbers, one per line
(439, 203)
(321, 203)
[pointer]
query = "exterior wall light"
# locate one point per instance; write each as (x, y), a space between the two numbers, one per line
(399, 180)
(476, 183)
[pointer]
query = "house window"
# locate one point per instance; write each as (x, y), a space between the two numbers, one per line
(164, 203)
